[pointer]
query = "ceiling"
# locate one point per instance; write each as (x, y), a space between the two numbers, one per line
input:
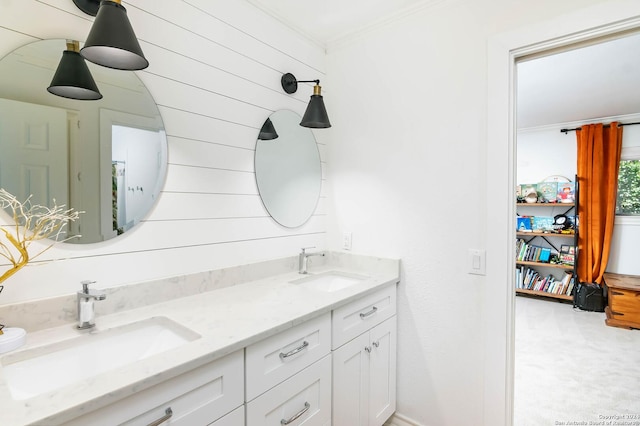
(328, 21)
(591, 82)
(597, 81)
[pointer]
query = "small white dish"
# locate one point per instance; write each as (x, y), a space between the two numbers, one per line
(12, 338)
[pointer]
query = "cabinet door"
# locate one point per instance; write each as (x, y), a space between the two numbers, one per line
(382, 372)
(351, 383)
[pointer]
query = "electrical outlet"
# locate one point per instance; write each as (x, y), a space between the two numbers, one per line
(346, 240)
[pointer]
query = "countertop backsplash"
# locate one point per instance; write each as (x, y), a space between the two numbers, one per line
(40, 314)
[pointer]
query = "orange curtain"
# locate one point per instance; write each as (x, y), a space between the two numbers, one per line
(599, 150)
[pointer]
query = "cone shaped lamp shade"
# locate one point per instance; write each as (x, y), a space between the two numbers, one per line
(268, 132)
(316, 116)
(111, 41)
(72, 78)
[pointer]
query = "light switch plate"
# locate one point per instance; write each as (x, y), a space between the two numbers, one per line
(477, 261)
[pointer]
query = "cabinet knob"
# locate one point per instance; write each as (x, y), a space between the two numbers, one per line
(376, 343)
(368, 349)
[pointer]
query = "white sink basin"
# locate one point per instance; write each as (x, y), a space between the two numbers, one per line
(330, 281)
(39, 370)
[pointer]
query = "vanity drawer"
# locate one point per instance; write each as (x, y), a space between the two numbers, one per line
(305, 397)
(351, 320)
(278, 357)
(198, 397)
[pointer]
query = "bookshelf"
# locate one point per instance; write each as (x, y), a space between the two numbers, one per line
(540, 270)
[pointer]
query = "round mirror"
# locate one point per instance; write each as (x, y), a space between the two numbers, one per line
(288, 172)
(107, 157)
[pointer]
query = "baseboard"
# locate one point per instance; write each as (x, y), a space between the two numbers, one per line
(400, 420)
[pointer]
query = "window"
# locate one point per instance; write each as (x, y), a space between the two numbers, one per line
(628, 203)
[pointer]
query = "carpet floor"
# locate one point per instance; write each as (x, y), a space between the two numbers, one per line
(573, 369)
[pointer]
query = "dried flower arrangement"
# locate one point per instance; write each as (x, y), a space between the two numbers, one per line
(30, 223)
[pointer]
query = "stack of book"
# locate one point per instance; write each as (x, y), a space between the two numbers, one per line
(531, 253)
(548, 192)
(530, 279)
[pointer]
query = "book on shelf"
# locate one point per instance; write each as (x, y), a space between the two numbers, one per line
(548, 191)
(545, 254)
(567, 259)
(566, 192)
(543, 223)
(529, 279)
(526, 252)
(524, 224)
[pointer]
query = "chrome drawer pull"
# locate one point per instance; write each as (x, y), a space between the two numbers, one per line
(294, 351)
(368, 314)
(297, 415)
(168, 413)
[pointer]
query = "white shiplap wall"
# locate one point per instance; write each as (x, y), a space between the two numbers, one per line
(215, 75)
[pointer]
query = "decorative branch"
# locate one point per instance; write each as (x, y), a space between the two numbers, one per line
(30, 223)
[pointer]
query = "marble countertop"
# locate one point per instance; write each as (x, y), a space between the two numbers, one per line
(227, 319)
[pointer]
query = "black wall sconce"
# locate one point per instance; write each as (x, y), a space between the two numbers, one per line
(316, 114)
(72, 78)
(268, 131)
(111, 41)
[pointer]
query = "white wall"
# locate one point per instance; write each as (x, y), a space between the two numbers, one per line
(544, 152)
(414, 175)
(215, 74)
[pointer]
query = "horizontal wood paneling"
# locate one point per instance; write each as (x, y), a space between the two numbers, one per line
(190, 125)
(214, 206)
(208, 154)
(211, 181)
(219, 82)
(215, 69)
(155, 235)
(244, 17)
(189, 98)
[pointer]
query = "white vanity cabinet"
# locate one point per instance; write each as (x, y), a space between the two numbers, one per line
(364, 367)
(205, 395)
(288, 376)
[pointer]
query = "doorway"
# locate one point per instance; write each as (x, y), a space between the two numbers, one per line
(503, 52)
(592, 81)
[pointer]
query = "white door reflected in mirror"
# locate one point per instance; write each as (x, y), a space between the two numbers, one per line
(67, 153)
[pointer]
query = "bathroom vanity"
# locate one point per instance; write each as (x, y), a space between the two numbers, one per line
(278, 349)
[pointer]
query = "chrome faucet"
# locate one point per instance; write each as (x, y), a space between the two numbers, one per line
(86, 299)
(303, 259)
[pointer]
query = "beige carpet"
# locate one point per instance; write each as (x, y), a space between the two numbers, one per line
(572, 369)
